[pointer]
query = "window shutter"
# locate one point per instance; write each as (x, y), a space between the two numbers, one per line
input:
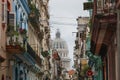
(11, 18)
(4, 12)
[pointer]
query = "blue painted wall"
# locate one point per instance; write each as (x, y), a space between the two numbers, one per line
(21, 10)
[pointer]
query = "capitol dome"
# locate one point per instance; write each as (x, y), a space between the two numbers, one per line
(61, 46)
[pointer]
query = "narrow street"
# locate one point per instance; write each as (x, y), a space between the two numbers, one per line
(59, 39)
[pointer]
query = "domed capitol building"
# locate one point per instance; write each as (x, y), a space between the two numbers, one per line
(60, 45)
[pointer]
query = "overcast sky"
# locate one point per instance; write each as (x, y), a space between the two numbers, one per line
(63, 15)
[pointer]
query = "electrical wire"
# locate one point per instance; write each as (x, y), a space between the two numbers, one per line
(62, 23)
(63, 17)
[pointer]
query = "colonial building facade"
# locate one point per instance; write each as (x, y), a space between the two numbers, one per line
(104, 38)
(80, 57)
(24, 39)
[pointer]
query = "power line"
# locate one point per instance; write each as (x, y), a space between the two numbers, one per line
(62, 23)
(63, 17)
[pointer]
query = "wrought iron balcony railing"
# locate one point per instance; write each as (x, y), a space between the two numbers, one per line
(34, 54)
(30, 51)
(34, 16)
(15, 46)
(104, 7)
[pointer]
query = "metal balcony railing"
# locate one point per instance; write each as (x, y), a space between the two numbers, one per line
(34, 15)
(14, 46)
(30, 51)
(104, 6)
(34, 54)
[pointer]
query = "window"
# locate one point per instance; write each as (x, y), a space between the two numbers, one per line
(11, 19)
(63, 46)
(64, 54)
(57, 45)
(4, 11)
(61, 54)
(60, 45)
(54, 45)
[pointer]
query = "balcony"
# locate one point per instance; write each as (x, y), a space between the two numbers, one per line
(34, 55)
(45, 53)
(34, 16)
(105, 8)
(30, 50)
(22, 32)
(15, 44)
(15, 49)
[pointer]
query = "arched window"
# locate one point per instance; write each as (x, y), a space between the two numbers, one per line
(60, 45)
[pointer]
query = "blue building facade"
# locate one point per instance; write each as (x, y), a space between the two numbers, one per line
(24, 63)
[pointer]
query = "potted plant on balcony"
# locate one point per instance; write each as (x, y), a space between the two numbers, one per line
(34, 16)
(11, 33)
(34, 10)
(10, 30)
(44, 53)
(22, 31)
